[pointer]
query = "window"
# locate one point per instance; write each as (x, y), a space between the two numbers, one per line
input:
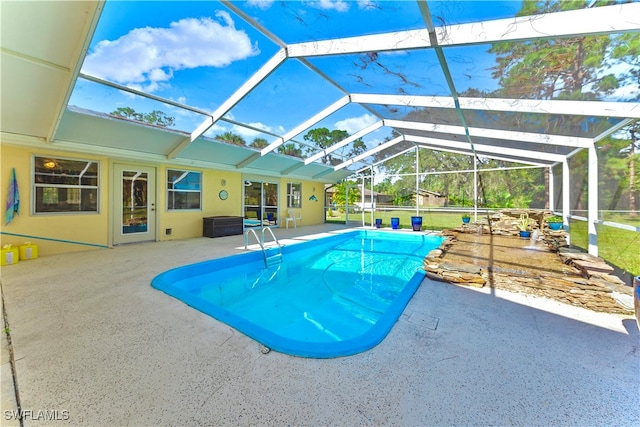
(294, 195)
(183, 190)
(65, 185)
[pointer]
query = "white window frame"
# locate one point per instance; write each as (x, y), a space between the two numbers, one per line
(294, 197)
(79, 187)
(183, 173)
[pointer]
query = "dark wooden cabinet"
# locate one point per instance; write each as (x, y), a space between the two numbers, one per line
(218, 226)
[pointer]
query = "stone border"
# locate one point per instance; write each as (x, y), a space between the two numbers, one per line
(592, 287)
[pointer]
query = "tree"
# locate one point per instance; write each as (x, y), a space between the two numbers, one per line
(626, 48)
(562, 68)
(631, 151)
(127, 113)
(622, 157)
(290, 149)
(617, 165)
(156, 117)
(358, 147)
(231, 138)
(259, 143)
(324, 138)
(568, 68)
(580, 68)
(340, 194)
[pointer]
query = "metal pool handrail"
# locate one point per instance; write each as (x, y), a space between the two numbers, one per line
(246, 238)
(268, 260)
(273, 259)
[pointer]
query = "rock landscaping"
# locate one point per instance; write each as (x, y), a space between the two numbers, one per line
(490, 253)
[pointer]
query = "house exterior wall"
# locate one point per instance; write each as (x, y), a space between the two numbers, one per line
(188, 224)
(90, 228)
(312, 211)
(431, 200)
(90, 231)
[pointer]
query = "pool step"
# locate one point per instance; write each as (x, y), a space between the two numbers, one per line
(270, 261)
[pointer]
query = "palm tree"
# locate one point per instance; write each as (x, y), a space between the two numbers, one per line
(259, 143)
(231, 138)
(290, 150)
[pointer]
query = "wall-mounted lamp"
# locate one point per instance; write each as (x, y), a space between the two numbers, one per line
(223, 182)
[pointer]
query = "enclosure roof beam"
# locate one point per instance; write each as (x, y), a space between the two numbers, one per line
(573, 23)
(490, 149)
(268, 68)
(506, 168)
(344, 142)
(368, 153)
(255, 24)
(397, 40)
(306, 124)
(386, 159)
(613, 129)
(143, 94)
(468, 152)
(442, 60)
(554, 106)
(73, 71)
(573, 153)
(537, 106)
(536, 138)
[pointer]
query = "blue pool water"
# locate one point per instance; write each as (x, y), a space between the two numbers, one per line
(330, 297)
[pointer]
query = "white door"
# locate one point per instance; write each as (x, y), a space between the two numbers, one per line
(134, 207)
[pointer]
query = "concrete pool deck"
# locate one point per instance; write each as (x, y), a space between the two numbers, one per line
(95, 344)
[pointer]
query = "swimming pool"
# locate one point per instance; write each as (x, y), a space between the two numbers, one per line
(330, 297)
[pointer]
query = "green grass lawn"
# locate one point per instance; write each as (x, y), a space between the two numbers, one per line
(618, 247)
(430, 220)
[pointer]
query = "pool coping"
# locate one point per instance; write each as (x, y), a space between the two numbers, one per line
(273, 341)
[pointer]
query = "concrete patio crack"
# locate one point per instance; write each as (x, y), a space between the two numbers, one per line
(12, 361)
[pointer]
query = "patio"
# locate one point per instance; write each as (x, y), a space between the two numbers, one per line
(93, 341)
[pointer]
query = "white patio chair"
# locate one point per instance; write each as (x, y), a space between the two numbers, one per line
(293, 218)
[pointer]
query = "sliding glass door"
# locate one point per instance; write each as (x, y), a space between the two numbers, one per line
(260, 203)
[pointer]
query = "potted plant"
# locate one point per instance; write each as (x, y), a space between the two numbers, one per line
(555, 222)
(395, 223)
(523, 225)
(416, 223)
(466, 218)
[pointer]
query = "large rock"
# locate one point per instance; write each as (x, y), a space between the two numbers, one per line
(584, 281)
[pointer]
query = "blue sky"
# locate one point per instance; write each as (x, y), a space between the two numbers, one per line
(199, 53)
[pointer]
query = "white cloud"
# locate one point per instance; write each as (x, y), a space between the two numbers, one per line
(337, 5)
(260, 4)
(217, 129)
(249, 135)
(367, 4)
(355, 124)
(149, 56)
